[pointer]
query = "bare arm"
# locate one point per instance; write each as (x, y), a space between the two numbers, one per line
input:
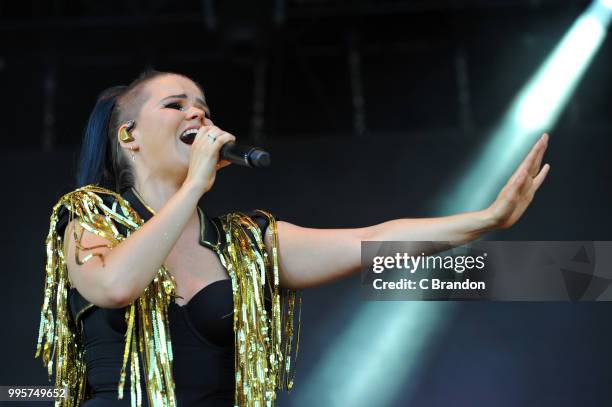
(113, 278)
(310, 257)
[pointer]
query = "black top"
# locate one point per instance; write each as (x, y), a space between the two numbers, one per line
(201, 332)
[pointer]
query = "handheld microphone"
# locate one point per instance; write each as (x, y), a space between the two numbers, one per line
(246, 156)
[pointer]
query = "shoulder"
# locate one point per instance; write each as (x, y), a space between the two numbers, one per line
(263, 219)
(256, 217)
(259, 225)
(88, 195)
(89, 204)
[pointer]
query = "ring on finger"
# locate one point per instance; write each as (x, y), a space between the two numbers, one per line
(213, 138)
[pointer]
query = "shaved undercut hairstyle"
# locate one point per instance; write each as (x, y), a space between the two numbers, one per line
(102, 160)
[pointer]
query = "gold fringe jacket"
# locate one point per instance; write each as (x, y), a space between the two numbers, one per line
(265, 342)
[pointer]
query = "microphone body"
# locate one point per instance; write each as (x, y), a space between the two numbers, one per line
(246, 156)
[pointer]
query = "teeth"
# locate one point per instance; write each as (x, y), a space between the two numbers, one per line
(189, 132)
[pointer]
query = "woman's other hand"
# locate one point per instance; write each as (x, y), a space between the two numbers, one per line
(517, 194)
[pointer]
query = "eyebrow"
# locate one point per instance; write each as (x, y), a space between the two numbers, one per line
(184, 96)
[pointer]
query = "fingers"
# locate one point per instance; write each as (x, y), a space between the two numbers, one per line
(213, 133)
(219, 140)
(542, 145)
(539, 179)
(520, 182)
(519, 191)
(525, 186)
(222, 164)
(537, 174)
(214, 137)
(204, 157)
(532, 161)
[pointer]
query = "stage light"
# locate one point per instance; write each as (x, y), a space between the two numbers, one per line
(378, 353)
(369, 362)
(535, 110)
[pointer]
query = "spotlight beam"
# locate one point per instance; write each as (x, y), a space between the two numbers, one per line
(385, 343)
(534, 110)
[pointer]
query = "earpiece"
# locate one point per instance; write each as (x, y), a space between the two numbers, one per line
(124, 132)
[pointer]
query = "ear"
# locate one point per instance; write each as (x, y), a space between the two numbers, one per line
(126, 136)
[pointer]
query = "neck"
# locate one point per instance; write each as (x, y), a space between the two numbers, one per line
(156, 192)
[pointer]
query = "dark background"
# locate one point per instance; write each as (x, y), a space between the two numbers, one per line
(368, 109)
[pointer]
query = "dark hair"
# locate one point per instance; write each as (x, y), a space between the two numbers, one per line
(98, 164)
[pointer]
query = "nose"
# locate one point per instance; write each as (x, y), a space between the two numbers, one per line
(196, 113)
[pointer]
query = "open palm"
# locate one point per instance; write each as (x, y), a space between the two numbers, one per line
(517, 194)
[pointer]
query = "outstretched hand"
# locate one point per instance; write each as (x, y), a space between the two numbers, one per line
(517, 194)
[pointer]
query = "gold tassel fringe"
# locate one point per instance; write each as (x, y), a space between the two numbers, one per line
(264, 341)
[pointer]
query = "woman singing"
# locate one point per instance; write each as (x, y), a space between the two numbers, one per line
(149, 301)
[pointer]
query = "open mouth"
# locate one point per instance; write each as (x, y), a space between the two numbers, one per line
(188, 135)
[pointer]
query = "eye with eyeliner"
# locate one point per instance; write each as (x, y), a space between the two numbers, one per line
(174, 105)
(179, 106)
